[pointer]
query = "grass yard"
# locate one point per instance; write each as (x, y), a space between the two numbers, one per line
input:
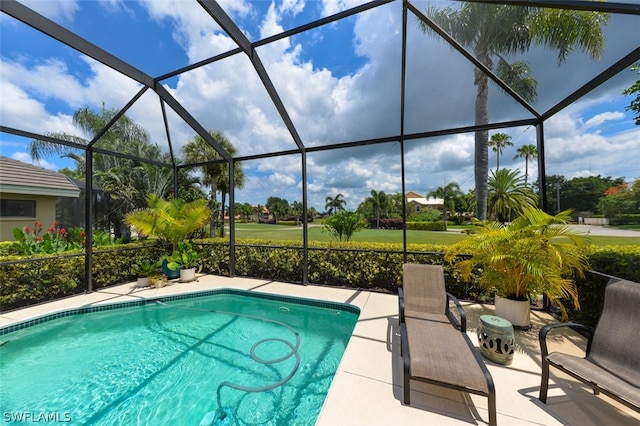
(316, 233)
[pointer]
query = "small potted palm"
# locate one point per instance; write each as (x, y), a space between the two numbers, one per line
(536, 254)
(185, 258)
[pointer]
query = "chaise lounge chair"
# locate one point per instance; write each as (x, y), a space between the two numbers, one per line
(434, 344)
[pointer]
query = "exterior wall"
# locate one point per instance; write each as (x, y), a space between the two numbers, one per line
(45, 213)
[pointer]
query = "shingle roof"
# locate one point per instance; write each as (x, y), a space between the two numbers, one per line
(17, 177)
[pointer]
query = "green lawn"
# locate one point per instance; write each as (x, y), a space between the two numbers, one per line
(282, 232)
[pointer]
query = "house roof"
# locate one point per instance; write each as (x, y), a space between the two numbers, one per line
(17, 177)
(424, 201)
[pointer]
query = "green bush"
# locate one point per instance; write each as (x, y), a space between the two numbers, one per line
(426, 226)
(28, 280)
(617, 261)
(625, 219)
(372, 266)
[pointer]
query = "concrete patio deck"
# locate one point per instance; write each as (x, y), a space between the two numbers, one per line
(367, 388)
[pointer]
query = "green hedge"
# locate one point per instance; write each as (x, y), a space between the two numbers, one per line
(426, 226)
(625, 219)
(618, 261)
(29, 280)
(372, 266)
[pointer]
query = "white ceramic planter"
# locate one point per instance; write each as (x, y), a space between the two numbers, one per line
(187, 275)
(143, 282)
(517, 312)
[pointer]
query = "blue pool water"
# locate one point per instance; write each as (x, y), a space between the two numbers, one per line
(223, 359)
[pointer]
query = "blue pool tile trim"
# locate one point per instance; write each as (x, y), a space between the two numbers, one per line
(141, 302)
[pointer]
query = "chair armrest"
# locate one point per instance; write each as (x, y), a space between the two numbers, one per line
(573, 325)
(462, 324)
(401, 304)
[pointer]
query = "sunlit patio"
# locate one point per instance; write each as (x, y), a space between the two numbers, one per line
(367, 388)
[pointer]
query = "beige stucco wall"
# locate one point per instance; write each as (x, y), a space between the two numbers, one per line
(45, 213)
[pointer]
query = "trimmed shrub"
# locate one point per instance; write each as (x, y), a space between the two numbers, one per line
(426, 226)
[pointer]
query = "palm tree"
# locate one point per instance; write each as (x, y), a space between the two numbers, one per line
(508, 195)
(125, 181)
(335, 204)
(497, 31)
(379, 202)
(448, 193)
(527, 152)
(223, 186)
(498, 142)
(198, 150)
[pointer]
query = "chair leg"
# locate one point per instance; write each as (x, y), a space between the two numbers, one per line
(406, 390)
(493, 420)
(544, 381)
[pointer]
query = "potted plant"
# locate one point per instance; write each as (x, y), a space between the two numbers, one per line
(146, 270)
(536, 254)
(170, 221)
(184, 258)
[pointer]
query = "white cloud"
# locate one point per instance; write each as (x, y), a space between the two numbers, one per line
(26, 158)
(600, 119)
(228, 96)
(54, 10)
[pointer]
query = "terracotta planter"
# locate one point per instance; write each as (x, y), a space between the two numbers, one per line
(187, 275)
(517, 312)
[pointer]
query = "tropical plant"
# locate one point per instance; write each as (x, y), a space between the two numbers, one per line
(528, 152)
(170, 221)
(146, 268)
(335, 204)
(215, 172)
(508, 195)
(126, 181)
(184, 256)
(493, 32)
(277, 206)
(343, 225)
(536, 254)
(30, 240)
(448, 193)
(498, 142)
(379, 201)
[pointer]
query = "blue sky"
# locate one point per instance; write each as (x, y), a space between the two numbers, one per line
(339, 83)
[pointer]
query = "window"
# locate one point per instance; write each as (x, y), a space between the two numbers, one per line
(17, 208)
(418, 209)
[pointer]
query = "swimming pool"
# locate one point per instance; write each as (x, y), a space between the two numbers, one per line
(227, 357)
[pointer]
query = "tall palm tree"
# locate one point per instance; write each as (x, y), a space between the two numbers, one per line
(508, 195)
(448, 193)
(379, 202)
(335, 204)
(528, 152)
(223, 186)
(498, 142)
(198, 150)
(126, 181)
(498, 31)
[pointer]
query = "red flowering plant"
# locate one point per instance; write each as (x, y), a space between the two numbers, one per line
(29, 241)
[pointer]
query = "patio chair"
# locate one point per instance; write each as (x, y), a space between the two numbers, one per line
(434, 344)
(611, 364)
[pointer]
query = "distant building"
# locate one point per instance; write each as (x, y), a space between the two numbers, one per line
(419, 202)
(29, 193)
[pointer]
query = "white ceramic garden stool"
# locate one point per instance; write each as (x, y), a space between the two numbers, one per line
(495, 336)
